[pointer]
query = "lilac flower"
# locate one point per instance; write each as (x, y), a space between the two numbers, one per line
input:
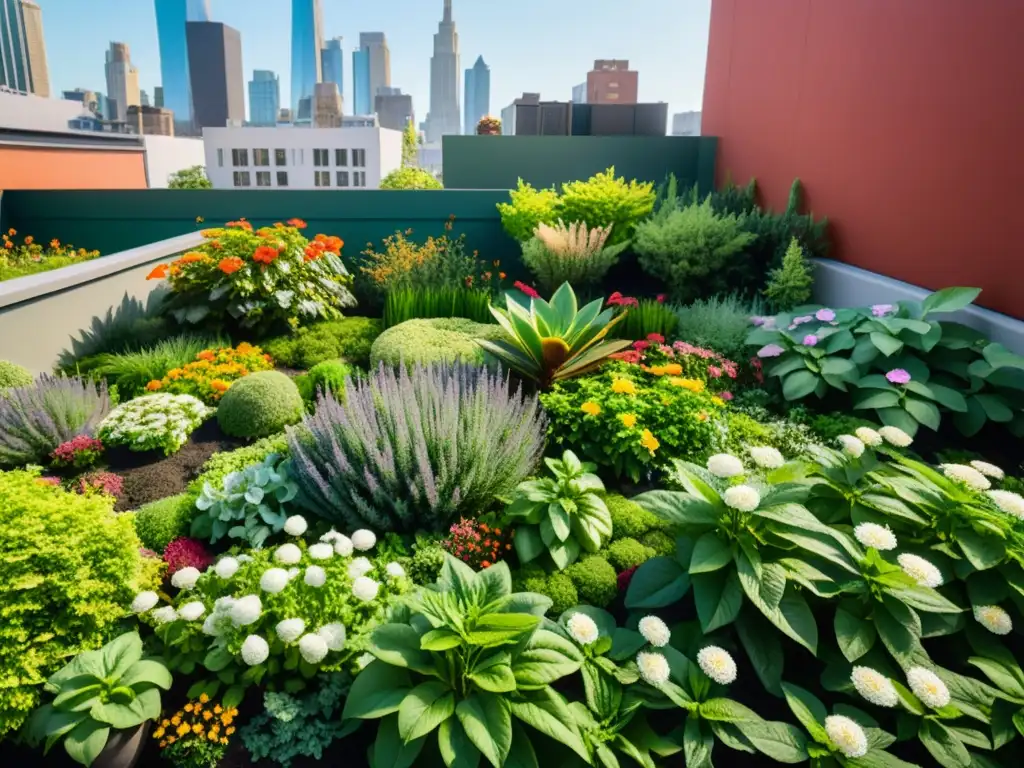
(898, 376)
(825, 315)
(770, 350)
(881, 310)
(803, 319)
(757, 321)
(810, 340)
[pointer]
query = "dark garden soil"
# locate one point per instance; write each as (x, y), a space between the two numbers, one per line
(149, 475)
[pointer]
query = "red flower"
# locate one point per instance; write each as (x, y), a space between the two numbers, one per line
(265, 254)
(313, 252)
(532, 293)
(615, 300)
(624, 578)
(660, 298)
(297, 223)
(159, 272)
(657, 338)
(184, 552)
(641, 345)
(230, 265)
(101, 482)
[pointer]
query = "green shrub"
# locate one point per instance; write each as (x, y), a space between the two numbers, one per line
(329, 375)
(790, 285)
(130, 372)
(649, 316)
(349, 339)
(69, 569)
(628, 553)
(571, 253)
(426, 561)
(604, 200)
(220, 465)
(595, 580)
(754, 426)
(660, 542)
(829, 426)
(438, 340)
(689, 249)
(259, 405)
(161, 522)
(528, 208)
(410, 178)
(557, 586)
(629, 519)
(720, 323)
(13, 375)
(403, 304)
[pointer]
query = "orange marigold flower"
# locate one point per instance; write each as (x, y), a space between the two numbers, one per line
(29, 239)
(55, 243)
(485, 564)
(224, 740)
(268, 358)
(159, 272)
(188, 707)
(207, 714)
(192, 257)
(297, 223)
(265, 254)
(208, 232)
(154, 385)
(230, 265)
(219, 385)
(312, 252)
(8, 244)
(501, 275)
(12, 232)
(230, 730)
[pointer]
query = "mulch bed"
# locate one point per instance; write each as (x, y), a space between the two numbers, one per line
(149, 475)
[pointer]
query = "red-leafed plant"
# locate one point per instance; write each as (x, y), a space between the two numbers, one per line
(184, 552)
(106, 483)
(477, 544)
(79, 452)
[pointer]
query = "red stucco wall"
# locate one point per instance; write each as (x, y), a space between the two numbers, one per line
(61, 168)
(903, 118)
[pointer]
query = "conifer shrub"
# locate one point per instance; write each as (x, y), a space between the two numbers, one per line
(790, 285)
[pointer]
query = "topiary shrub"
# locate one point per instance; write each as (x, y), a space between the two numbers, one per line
(595, 580)
(629, 519)
(69, 567)
(434, 340)
(160, 522)
(13, 375)
(426, 562)
(328, 376)
(628, 553)
(557, 586)
(349, 339)
(259, 405)
(659, 541)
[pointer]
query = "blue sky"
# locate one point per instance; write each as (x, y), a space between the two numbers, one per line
(530, 45)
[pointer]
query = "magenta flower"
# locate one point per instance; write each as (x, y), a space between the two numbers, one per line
(881, 310)
(725, 395)
(802, 320)
(770, 350)
(757, 320)
(810, 340)
(714, 372)
(825, 315)
(898, 376)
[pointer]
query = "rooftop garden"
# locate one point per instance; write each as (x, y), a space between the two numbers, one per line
(636, 501)
(29, 257)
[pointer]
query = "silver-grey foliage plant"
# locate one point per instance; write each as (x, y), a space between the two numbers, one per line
(35, 419)
(413, 449)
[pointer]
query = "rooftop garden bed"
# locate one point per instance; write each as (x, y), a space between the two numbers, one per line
(30, 258)
(516, 522)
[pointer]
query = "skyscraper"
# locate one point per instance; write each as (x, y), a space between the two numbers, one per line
(215, 67)
(332, 61)
(35, 47)
(14, 71)
(327, 106)
(611, 81)
(307, 69)
(361, 101)
(394, 109)
(264, 98)
(478, 94)
(171, 17)
(122, 81)
(444, 117)
(378, 57)
(158, 96)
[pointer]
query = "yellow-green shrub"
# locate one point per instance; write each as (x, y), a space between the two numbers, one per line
(69, 568)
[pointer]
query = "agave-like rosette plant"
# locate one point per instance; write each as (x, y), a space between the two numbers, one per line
(554, 340)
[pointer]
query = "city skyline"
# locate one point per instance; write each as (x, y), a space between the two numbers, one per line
(667, 45)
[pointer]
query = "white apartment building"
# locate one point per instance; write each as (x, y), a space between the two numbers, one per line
(300, 158)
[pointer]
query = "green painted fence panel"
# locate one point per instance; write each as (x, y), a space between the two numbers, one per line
(498, 162)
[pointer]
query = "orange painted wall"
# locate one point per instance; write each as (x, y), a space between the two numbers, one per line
(44, 168)
(903, 118)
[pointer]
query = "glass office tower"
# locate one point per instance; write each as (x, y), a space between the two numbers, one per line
(171, 16)
(307, 71)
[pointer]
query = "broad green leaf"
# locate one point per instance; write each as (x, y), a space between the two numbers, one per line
(120, 654)
(399, 645)
(982, 551)
(441, 639)
(658, 582)
(949, 300)
(494, 673)
(679, 508)
(496, 629)
(698, 742)
(389, 751)
(521, 755)
(86, 740)
(855, 636)
(488, 724)
(457, 750)
(808, 709)
(547, 657)
(147, 673)
(897, 417)
(710, 553)
(924, 599)
(799, 385)
(718, 597)
(145, 706)
(943, 745)
(886, 344)
(727, 710)
(948, 398)
(528, 543)
(547, 711)
(924, 412)
(378, 690)
(763, 647)
(875, 398)
(423, 709)
(780, 741)
(841, 367)
(972, 420)
(995, 407)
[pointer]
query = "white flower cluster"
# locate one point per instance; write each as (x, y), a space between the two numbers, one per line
(161, 421)
(969, 476)
(927, 686)
(920, 570)
(1009, 502)
(220, 616)
(766, 457)
(582, 628)
(993, 618)
(989, 470)
(185, 578)
(192, 611)
(255, 650)
(725, 465)
(847, 735)
(342, 544)
(145, 602)
(295, 525)
(226, 567)
(742, 497)
(653, 667)
(717, 663)
(874, 535)
(895, 436)
(851, 446)
(875, 687)
(655, 631)
(868, 436)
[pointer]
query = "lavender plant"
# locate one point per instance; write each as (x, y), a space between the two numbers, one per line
(413, 449)
(37, 418)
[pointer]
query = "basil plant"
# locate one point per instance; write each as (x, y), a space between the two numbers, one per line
(562, 514)
(110, 688)
(468, 665)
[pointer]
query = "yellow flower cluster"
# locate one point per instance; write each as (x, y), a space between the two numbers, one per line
(623, 387)
(694, 385)
(401, 256)
(213, 371)
(668, 369)
(198, 721)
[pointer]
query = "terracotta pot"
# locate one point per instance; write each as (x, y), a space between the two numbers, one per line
(124, 748)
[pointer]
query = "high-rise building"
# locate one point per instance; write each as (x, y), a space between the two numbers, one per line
(362, 104)
(444, 116)
(152, 121)
(35, 47)
(307, 70)
(478, 95)
(611, 81)
(332, 60)
(215, 67)
(378, 58)
(144, 99)
(579, 94)
(394, 109)
(327, 107)
(171, 17)
(122, 81)
(284, 116)
(686, 124)
(158, 96)
(14, 72)
(264, 98)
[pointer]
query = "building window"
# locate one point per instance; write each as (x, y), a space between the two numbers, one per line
(261, 157)
(298, 157)
(239, 157)
(612, 96)
(321, 158)
(242, 178)
(359, 178)
(282, 178)
(359, 158)
(280, 157)
(342, 177)
(220, 158)
(341, 158)
(322, 178)
(262, 178)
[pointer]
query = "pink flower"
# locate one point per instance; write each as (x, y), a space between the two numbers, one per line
(101, 482)
(825, 315)
(657, 338)
(810, 340)
(184, 552)
(714, 372)
(660, 298)
(725, 395)
(757, 320)
(770, 350)
(641, 345)
(526, 289)
(615, 299)
(881, 310)
(898, 376)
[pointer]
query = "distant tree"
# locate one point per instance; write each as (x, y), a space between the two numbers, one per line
(410, 178)
(189, 178)
(410, 146)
